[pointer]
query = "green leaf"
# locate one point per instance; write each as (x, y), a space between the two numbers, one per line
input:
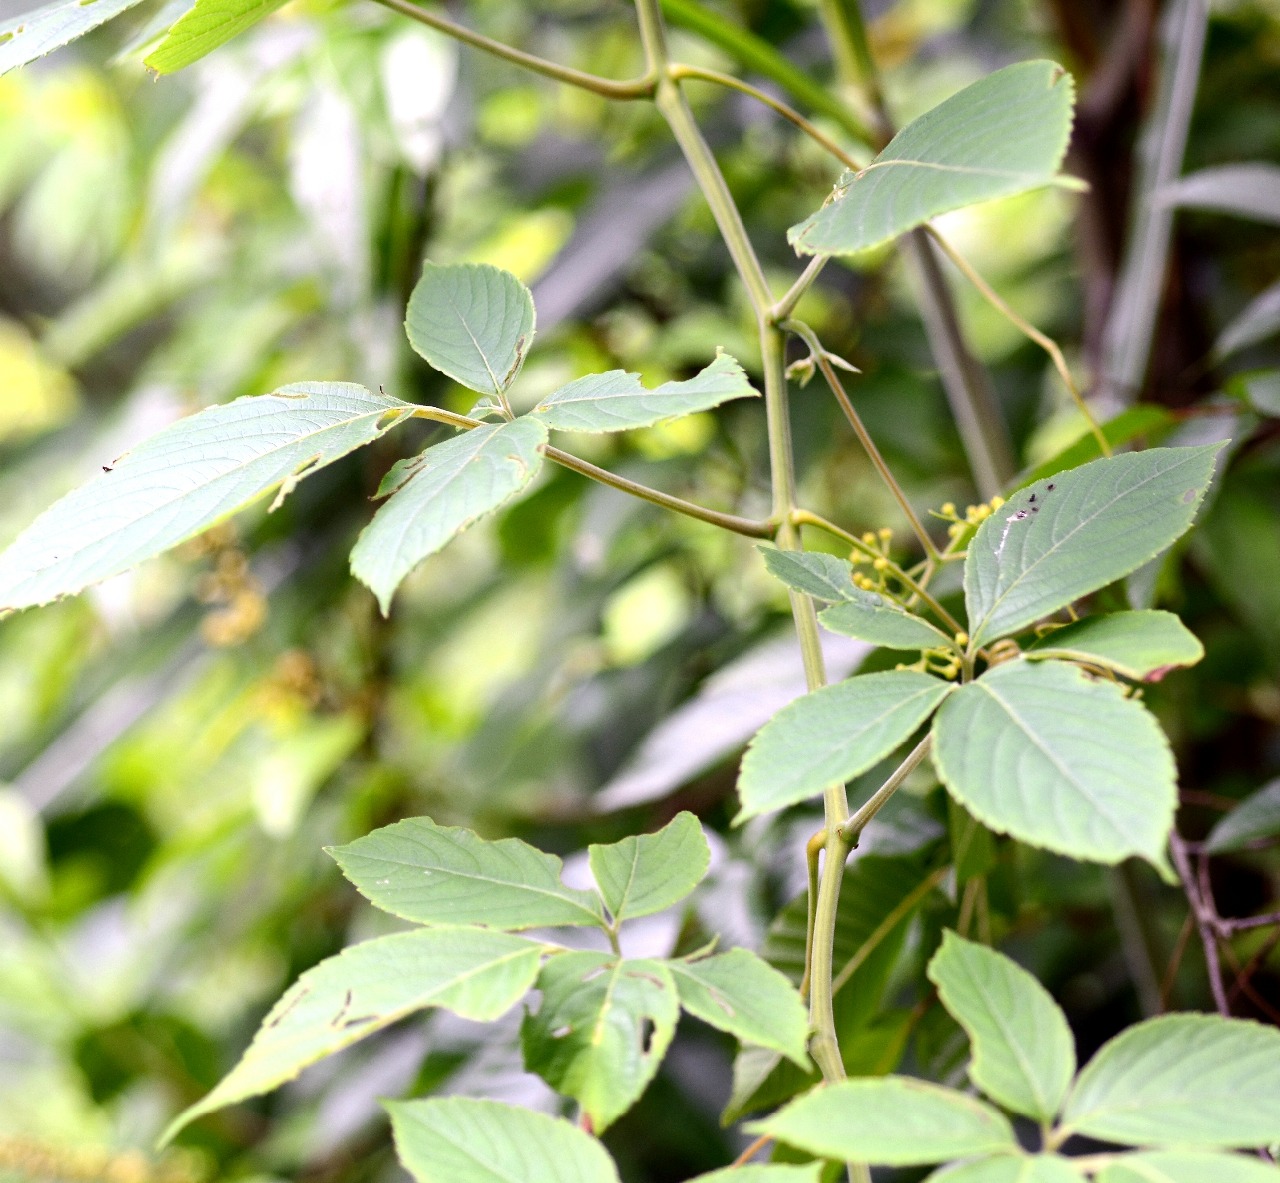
(434, 874)
(206, 26)
(473, 972)
(1139, 645)
(973, 846)
(871, 617)
(186, 478)
(473, 322)
(648, 872)
(617, 401)
(1055, 542)
(1248, 190)
(894, 1121)
(1041, 751)
(1190, 1080)
(823, 576)
(1005, 134)
(1007, 1168)
(602, 1029)
(833, 734)
(1256, 817)
(456, 483)
(810, 1172)
(739, 993)
(31, 35)
(1187, 1166)
(460, 1140)
(1023, 1053)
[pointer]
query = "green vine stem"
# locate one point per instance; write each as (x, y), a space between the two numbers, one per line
(851, 831)
(606, 88)
(748, 527)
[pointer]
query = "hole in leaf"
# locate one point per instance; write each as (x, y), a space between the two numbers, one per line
(647, 1030)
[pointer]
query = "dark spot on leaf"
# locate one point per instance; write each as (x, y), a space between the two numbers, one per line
(647, 1030)
(1049, 488)
(1032, 497)
(1189, 496)
(359, 1021)
(107, 468)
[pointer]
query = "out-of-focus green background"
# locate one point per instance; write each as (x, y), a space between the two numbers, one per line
(177, 746)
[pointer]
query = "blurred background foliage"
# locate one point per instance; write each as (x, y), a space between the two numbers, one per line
(178, 745)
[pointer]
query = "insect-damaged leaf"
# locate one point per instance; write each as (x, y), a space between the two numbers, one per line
(617, 401)
(474, 972)
(186, 478)
(460, 1140)
(602, 1029)
(447, 875)
(473, 322)
(1078, 531)
(1002, 135)
(457, 482)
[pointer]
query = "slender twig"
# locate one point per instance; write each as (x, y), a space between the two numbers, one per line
(1231, 924)
(1206, 922)
(1175, 960)
(812, 856)
(679, 70)
(751, 1151)
(806, 334)
(1047, 343)
(795, 293)
(608, 88)
(852, 829)
(747, 527)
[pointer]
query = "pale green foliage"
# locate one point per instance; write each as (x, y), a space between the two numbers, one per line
(1191, 1080)
(895, 1121)
(455, 483)
(32, 34)
(1041, 751)
(458, 1140)
(764, 1173)
(473, 972)
(833, 734)
(590, 1038)
(1187, 1166)
(1133, 644)
(871, 617)
(1023, 1052)
(207, 25)
(473, 322)
(447, 875)
(825, 577)
(186, 478)
(1004, 134)
(1096, 524)
(645, 873)
(617, 401)
(1256, 817)
(745, 996)
(1010, 1168)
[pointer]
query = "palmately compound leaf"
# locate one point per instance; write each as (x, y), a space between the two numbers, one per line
(456, 483)
(1011, 1168)
(434, 874)
(869, 616)
(822, 576)
(744, 995)
(617, 401)
(474, 972)
(460, 1140)
(1004, 134)
(1023, 1052)
(186, 478)
(645, 873)
(1078, 531)
(1139, 645)
(1256, 817)
(1187, 1166)
(31, 35)
(891, 1121)
(1040, 751)
(1185, 1080)
(473, 322)
(206, 26)
(833, 734)
(602, 1029)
